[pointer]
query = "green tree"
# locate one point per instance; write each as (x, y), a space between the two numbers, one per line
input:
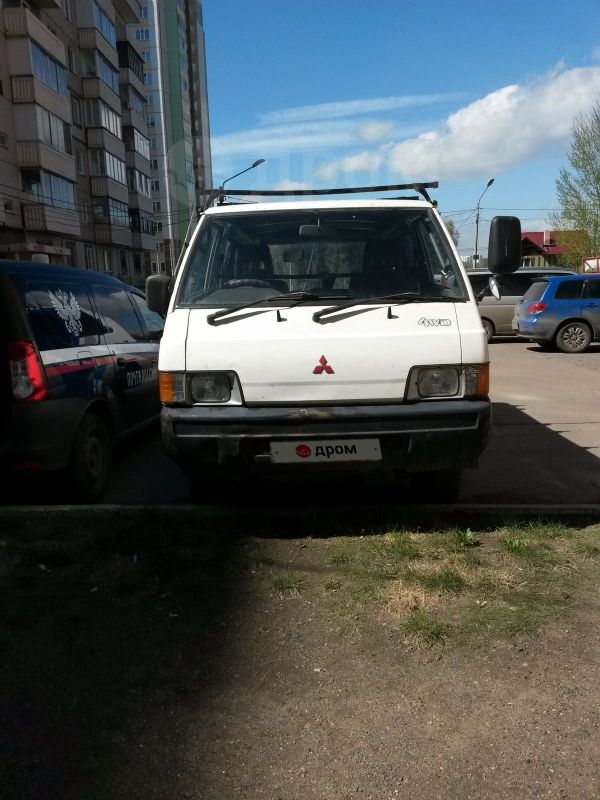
(577, 224)
(452, 230)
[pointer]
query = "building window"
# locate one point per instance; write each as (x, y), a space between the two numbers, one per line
(137, 264)
(156, 205)
(88, 256)
(48, 71)
(49, 189)
(147, 78)
(147, 55)
(155, 186)
(80, 162)
(107, 262)
(104, 163)
(72, 61)
(104, 25)
(157, 226)
(123, 261)
(151, 121)
(68, 10)
(150, 99)
(141, 221)
(154, 163)
(144, 12)
(131, 59)
(3, 140)
(107, 73)
(85, 211)
(100, 115)
(142, 34)
(76, 111)
(53, 130)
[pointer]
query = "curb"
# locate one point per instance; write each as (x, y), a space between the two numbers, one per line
(570, 511)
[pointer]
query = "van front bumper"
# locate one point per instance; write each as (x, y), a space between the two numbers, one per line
(415, 437)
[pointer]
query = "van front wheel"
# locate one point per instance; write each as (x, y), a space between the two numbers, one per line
(436, 486)
(89, 466)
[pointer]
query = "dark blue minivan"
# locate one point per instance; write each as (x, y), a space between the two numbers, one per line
(78, 364)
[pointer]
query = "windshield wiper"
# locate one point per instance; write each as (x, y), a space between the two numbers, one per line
(296, 298)
(397, 299)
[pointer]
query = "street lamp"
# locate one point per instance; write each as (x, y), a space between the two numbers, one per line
(256, 164)
(487, 186)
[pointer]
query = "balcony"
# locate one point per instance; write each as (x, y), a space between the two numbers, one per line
(131, 117)
(112, 234)
(94, 88)
(143, 241)
(51, 219)
(130, 10)
(33, 155)
(127, 75)
(102, 186)
(100, 137)
(27, 89)
(92, 39)
(134, 160)
(20, 22)
(140, 201)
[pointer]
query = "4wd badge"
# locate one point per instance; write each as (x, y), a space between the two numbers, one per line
(429, 322)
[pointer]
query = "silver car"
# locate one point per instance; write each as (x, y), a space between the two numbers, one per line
(497, 315)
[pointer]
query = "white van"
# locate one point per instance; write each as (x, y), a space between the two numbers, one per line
(326, 335)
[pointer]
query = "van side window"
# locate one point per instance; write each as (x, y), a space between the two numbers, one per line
(60, 314)
(121, 324)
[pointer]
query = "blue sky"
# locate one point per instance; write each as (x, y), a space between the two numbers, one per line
(348, 93)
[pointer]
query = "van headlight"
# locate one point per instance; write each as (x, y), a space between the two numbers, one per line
(210, 387)
(432, 383)
(199, 388)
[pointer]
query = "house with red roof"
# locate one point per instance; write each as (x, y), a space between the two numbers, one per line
(539, 249)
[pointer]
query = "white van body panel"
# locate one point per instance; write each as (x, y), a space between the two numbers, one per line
(370, 354)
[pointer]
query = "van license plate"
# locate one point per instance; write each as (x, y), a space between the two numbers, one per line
(324, 451)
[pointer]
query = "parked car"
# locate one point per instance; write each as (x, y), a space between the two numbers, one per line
(325, 336)
(562, 312)
(496, 315)
(78, 367)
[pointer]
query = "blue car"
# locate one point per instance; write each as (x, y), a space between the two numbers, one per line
(562, 312)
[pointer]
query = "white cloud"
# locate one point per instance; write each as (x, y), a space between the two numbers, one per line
(502, 129)
(321, 111)
(596, 53)
(288, 185)
(357, 162)
(373, 131)
(284, 138)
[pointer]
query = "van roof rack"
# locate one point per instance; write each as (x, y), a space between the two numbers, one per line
(220, 193)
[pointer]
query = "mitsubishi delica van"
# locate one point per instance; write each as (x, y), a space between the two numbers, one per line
(321, 335)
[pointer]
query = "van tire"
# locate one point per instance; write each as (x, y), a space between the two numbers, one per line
(91, 456)
(573, 337)
(435, 486)
(488, 327)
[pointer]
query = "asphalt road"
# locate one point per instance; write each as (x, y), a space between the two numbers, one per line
(545, 445)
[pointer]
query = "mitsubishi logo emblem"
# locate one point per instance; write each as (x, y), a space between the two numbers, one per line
(323, 366)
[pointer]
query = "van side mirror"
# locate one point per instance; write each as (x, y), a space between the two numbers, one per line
(504, 250)
(158, 293)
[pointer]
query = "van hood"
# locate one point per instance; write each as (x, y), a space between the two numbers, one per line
(362, 354)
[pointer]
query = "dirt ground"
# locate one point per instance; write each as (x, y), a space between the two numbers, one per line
(152, 660)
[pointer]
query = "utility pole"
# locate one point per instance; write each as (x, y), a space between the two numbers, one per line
(487, 186)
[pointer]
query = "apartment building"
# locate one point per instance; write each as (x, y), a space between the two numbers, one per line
(74, 152)
(171, 37)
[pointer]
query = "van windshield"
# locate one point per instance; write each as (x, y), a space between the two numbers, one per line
(245, 257)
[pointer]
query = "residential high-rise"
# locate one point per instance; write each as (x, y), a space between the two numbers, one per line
(171, 37)
(74, 154)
